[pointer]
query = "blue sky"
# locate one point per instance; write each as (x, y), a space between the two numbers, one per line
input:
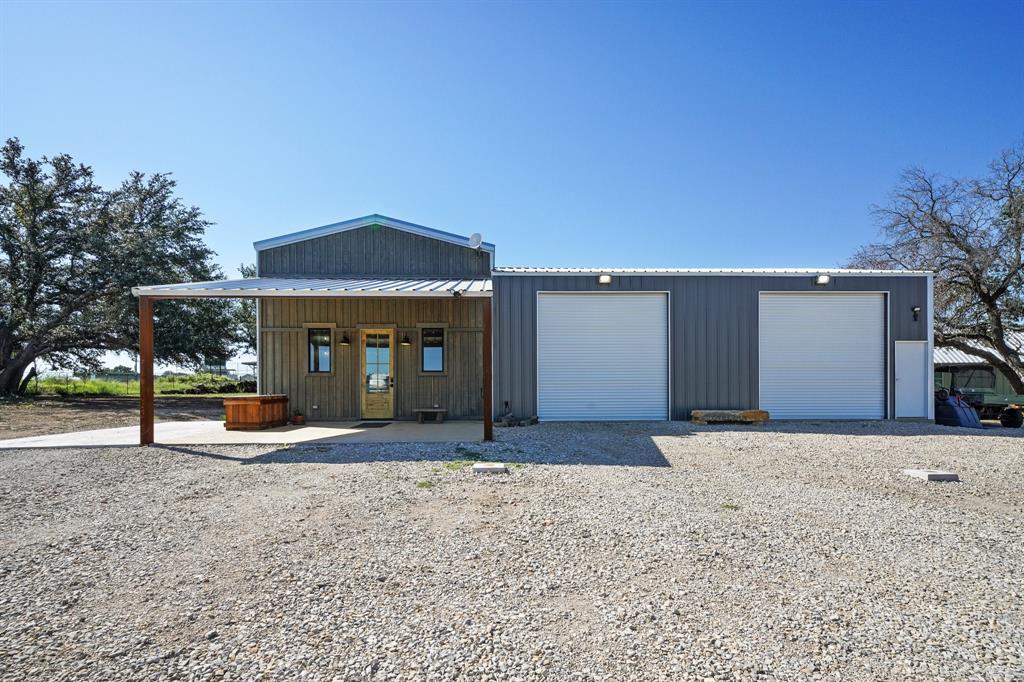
(726, 134)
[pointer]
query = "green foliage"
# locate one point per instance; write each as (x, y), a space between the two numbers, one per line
(70, 252)
(458, 465)
(192, 384)
(245, 314)
(970, 233)
(729, 506)
(424, 485)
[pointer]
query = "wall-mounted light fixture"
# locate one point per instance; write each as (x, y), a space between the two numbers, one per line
(604, 279)
(917, 312)
(344, 340)
(822, 280)
(405, 340)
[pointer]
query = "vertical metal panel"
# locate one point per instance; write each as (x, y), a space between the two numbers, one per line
(373, 251)
(714, 330)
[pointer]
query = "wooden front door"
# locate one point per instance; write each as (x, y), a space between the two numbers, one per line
(377, 393)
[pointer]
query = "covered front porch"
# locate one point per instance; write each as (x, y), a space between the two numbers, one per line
(347, 351)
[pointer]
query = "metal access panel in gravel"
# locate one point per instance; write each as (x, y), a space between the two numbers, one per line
(372, 425)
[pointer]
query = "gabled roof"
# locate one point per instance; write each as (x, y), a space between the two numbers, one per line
(366, 221)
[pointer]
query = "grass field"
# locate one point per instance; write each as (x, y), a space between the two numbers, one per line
(194, 384)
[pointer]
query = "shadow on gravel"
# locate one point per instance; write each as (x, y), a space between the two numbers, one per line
(630, 452)
(596, 444)
(863, 428)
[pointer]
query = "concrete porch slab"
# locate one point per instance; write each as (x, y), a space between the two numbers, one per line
(214, 433)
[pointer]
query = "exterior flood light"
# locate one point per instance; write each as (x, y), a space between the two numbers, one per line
(822, 280)
(604, 279)
(344, 340)
(917, 312)
(406, 341)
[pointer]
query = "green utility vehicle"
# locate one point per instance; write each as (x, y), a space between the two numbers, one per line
(987, 390)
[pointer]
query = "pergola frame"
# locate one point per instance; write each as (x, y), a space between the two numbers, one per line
(146, 335)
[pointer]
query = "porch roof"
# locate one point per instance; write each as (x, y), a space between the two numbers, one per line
(296, 287)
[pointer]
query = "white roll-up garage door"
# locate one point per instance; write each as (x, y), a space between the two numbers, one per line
(822, 355)
(602, 356)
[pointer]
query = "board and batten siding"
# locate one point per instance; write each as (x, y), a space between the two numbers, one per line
(284, 357)
(713, 331)
(374, 251)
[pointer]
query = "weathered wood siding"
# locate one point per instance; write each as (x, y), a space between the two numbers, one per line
(284, 360)
(374, 251)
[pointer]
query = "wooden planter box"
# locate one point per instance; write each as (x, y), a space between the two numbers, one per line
(251, 412)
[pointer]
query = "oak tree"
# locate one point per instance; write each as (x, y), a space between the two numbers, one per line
(970, 232)
(70, 251)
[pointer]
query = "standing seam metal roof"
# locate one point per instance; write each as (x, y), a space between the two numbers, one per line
(955, 356)
(258, 287)
(518, 270)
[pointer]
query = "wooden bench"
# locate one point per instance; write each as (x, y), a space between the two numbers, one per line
(438, 413)
(728, 416)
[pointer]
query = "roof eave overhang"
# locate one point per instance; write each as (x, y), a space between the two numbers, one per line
(158, 292)
(808, 272)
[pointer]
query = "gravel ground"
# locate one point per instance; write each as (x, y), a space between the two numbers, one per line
(664, 551)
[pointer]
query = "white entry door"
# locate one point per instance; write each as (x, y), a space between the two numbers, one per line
(822, 355)
(602, 356)
(913, 387)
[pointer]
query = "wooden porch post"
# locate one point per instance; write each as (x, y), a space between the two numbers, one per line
(145, 370)
(488, 390)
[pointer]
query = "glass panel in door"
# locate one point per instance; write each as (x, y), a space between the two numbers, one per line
(378, 377)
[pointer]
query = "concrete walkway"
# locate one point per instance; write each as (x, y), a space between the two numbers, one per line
(214, 433)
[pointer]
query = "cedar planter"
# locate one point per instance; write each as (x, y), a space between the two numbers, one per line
(251, 412)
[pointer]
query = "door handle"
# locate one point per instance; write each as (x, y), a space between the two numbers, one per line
(391, 382)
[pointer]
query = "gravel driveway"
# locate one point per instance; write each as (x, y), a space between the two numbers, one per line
(611, 551)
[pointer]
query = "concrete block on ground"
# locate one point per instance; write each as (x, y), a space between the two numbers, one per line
(490, 468)
(728, 416)
(933, 475)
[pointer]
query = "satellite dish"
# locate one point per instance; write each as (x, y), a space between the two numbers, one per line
(475, 240)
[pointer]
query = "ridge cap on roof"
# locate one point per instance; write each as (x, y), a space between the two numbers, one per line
(365, 221)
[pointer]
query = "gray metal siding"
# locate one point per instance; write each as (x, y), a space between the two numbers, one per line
(713, 331)
(374, 251)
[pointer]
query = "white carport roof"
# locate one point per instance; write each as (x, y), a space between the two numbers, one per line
(955, 356)
(298, 287)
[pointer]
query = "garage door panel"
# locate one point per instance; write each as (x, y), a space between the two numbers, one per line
(822, 356)
(602, 357)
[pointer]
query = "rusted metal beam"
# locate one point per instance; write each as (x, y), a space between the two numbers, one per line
(488, 390)
(145, 370)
